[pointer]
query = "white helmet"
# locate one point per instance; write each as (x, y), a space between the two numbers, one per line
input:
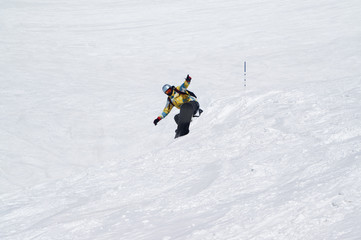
(166, 87)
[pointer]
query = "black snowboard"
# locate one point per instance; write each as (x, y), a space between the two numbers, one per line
(184, 119)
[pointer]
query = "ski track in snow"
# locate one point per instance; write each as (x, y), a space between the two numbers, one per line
(278, 159)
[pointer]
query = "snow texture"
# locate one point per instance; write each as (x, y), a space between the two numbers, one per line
(80, 86)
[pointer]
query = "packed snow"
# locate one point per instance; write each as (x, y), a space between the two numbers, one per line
(275, 155)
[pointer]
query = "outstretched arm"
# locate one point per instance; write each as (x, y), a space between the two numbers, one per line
(186, 83)
(168, 107)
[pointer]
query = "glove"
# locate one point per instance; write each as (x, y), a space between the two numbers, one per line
(156, 121)
(188, 78)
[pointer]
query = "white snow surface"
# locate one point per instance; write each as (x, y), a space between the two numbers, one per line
(80, 85)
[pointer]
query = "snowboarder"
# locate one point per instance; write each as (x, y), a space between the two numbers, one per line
(184, 100)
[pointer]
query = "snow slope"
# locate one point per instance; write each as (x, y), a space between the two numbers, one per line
(81, 84)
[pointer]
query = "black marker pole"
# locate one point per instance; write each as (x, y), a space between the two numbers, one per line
(245, 74)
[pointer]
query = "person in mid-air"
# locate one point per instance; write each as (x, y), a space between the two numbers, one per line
(184, 100)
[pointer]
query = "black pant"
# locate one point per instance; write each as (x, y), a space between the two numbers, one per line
(195, 106)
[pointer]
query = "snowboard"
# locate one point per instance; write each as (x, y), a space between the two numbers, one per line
(184, 119)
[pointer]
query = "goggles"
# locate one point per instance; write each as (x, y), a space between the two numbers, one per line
(169, 91)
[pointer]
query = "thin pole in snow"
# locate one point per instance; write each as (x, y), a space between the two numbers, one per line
(245, 74)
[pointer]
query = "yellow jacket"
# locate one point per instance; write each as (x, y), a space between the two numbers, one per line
(177, 99)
